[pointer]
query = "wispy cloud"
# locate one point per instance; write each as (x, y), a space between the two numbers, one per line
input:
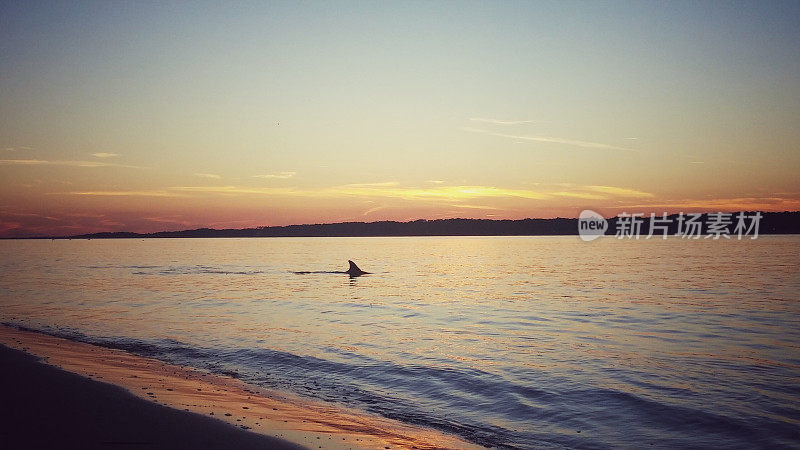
(277, 175)
(595, 192)
(436, 181)
(208, 175)
(552, 140)
(390, 189)
(40, 162)
(372, 210)
(111, 223)
(442, 192)
(618, 191)
(501, 122)
(235, 190)
(8, 226)
(382, 184)
(460, 193)
(393, 189)
(104, 155)
(466, 206)
(19, 214)
(17, 148)
(86, 215)
(153, 193)
(168, 219)
(754, 203)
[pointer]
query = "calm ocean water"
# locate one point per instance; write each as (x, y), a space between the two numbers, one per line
(512, 342)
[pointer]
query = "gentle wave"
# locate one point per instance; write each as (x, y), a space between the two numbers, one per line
(179, 270)
(416, 394)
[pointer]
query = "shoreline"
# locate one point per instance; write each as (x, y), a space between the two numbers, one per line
(46, 407)
(194, 396)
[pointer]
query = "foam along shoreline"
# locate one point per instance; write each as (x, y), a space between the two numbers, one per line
(192, 395)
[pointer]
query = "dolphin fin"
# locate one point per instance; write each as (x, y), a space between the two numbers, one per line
(354, 271)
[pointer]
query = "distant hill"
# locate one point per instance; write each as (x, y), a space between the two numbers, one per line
(770, 223)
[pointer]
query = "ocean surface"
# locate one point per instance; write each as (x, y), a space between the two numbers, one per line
(511, 342)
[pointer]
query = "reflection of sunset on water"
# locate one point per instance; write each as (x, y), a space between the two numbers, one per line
(465, 325)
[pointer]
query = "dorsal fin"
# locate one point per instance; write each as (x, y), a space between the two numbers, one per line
(354, 270)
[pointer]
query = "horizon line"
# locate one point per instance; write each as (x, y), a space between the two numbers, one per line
(154, 233)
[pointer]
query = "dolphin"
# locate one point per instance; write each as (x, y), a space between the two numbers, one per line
(353, 271)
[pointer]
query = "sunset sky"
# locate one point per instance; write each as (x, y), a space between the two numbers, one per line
(143, 116)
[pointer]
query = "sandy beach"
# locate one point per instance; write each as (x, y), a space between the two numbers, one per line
(46, 407)
(61, 393)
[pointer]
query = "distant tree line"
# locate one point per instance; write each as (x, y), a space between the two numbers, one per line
(770, 223)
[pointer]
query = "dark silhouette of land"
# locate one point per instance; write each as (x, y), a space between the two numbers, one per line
(46, 407)
(770, 223)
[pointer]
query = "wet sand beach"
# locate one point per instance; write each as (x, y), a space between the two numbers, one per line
(46, 407)
(93, 397)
